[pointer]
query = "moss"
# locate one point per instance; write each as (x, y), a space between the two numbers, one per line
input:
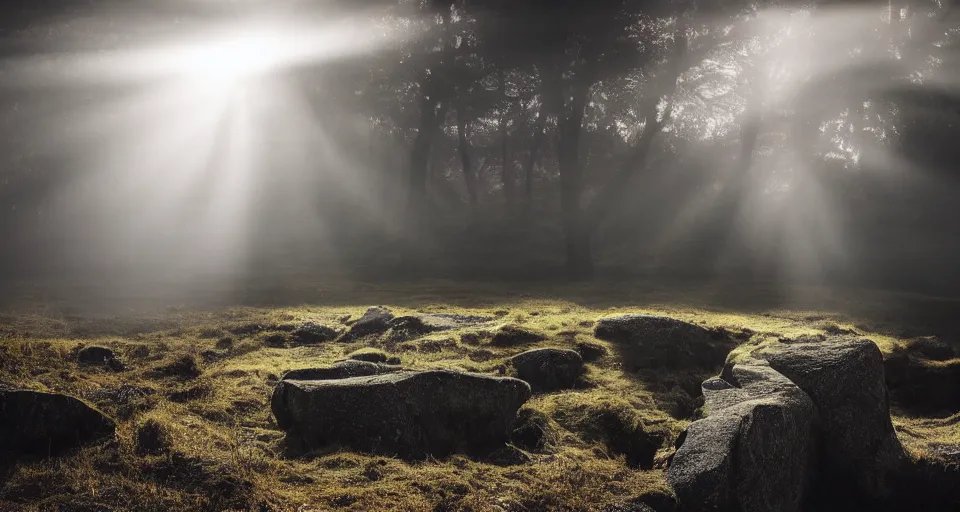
(514, 335)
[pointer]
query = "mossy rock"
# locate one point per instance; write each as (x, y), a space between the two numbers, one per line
(514, 335)
(370, 355)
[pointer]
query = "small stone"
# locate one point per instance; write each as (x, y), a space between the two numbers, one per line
(275, 340)
(374, 321)
(514, 335)
(95, 355)
(549, 369)
(310, 333)
(371, 356)
(184, 366)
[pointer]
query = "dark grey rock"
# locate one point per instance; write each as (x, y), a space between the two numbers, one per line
(339, 370)
(649, 341)
(275, 340)
(845, 380)
(409, 414)
(102, 356)
(95, 355)
(376, 320)
(752, 452)
(369, 356)
(513, 335)
(33, 423)
(548, 369)
(310, 333)
(184, 367)
(405, 328)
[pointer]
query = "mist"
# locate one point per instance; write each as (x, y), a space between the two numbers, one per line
(170, 150)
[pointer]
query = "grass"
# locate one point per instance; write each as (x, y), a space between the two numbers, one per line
(221, 449)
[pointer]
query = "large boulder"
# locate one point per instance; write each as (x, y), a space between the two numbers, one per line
(754, 449)
(34, 423)
(548, 369)
(650, 341)
(409, 414)
(845, 380)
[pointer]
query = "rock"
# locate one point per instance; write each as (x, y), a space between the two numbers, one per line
(369, 355)
(184, 367)
(225, 343)
(376, 320)
(211, 356)
(405, 328)
(34, 423)
(530, 429)
(275, 340)
(845, 380)
(410, 414)
(649, 341)
(753, 451)
(95, 355)
(513, 335)
(339, 370)
(310, 333)
(591, 351)
(548, 369)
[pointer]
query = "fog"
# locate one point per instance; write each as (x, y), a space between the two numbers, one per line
(170, 151)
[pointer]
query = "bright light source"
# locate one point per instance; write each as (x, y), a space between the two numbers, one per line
(224, 62)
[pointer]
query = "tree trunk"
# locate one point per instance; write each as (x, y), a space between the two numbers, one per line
(430, 117)
(534, 158)
(469, 178)
(579, 258)
(506, 175)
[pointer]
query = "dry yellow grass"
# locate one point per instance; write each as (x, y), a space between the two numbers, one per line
(226, 452)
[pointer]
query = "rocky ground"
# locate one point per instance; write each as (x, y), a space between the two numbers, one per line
(511, 404)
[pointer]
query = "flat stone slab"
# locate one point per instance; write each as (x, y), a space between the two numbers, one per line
(407, 414)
